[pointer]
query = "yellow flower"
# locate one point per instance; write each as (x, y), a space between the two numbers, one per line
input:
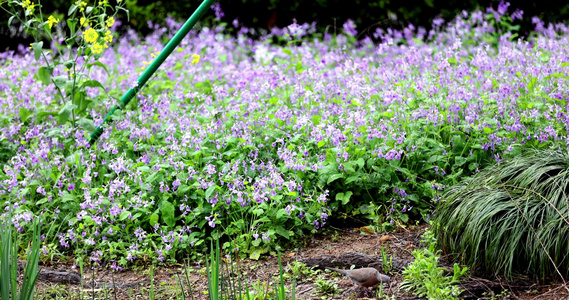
(81, 5)
(110, 21)
(108, 37)
(195, 59)
(97, 48)
(28, 6)
(51, 20)
(103, 2)
(90, 35)
(83, 21)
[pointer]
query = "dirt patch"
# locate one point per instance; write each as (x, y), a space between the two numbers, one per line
(337, 248)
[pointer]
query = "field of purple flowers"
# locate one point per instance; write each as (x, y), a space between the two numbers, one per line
(264, 136)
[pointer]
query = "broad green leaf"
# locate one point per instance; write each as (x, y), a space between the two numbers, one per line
(334, 177)
(44, 74)
(209, 191)
(283, 232)
(153, 219)
(65, 112)
(87, 124)
(345, 198)
(124, 215)
(182, 189)
(167, 211)
(24, 114)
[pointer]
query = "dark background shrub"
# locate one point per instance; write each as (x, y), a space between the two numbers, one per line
(326, 13)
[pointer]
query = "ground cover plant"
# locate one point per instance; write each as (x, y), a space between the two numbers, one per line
(511, 218)
(259, 143)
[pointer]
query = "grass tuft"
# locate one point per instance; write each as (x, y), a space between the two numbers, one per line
(511, 218)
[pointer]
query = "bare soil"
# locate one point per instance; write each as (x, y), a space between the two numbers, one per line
(340, 248)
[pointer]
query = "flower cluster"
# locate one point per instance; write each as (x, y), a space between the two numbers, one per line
(261, 142)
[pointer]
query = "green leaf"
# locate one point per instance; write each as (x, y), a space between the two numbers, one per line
(153, 219)
(209, 191)
(283, 232)
(72, 9)
(65, 112)
(93, 83)
(452, 61)
(334, 177)
(87, 124)
(345, 198)
(316, 119)
(124, 215)
(287, 51)
(10, 20)
(37, 49)
(352, 178)
(126, 10)
(167, 210)
(24, 114)
(72, 23)
(44, 73)
(182, 189)
(60, 81)
(99, 64)
(256, 253)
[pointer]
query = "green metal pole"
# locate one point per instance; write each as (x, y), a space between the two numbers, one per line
(173, 43)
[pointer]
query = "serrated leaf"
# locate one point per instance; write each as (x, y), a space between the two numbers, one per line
(334, 177)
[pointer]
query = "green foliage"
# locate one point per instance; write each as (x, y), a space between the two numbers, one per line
(9, 288)
(425, 278)
(326, 289)
(85, 31)
(510, 218)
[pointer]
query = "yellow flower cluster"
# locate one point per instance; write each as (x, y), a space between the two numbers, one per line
(81, 5)
(110, 21)
(84, 21)
(90, 35)
(195, 59)
(51, 20)
(28, 6)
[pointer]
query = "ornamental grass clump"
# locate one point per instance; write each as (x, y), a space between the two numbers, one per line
(511, 218)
